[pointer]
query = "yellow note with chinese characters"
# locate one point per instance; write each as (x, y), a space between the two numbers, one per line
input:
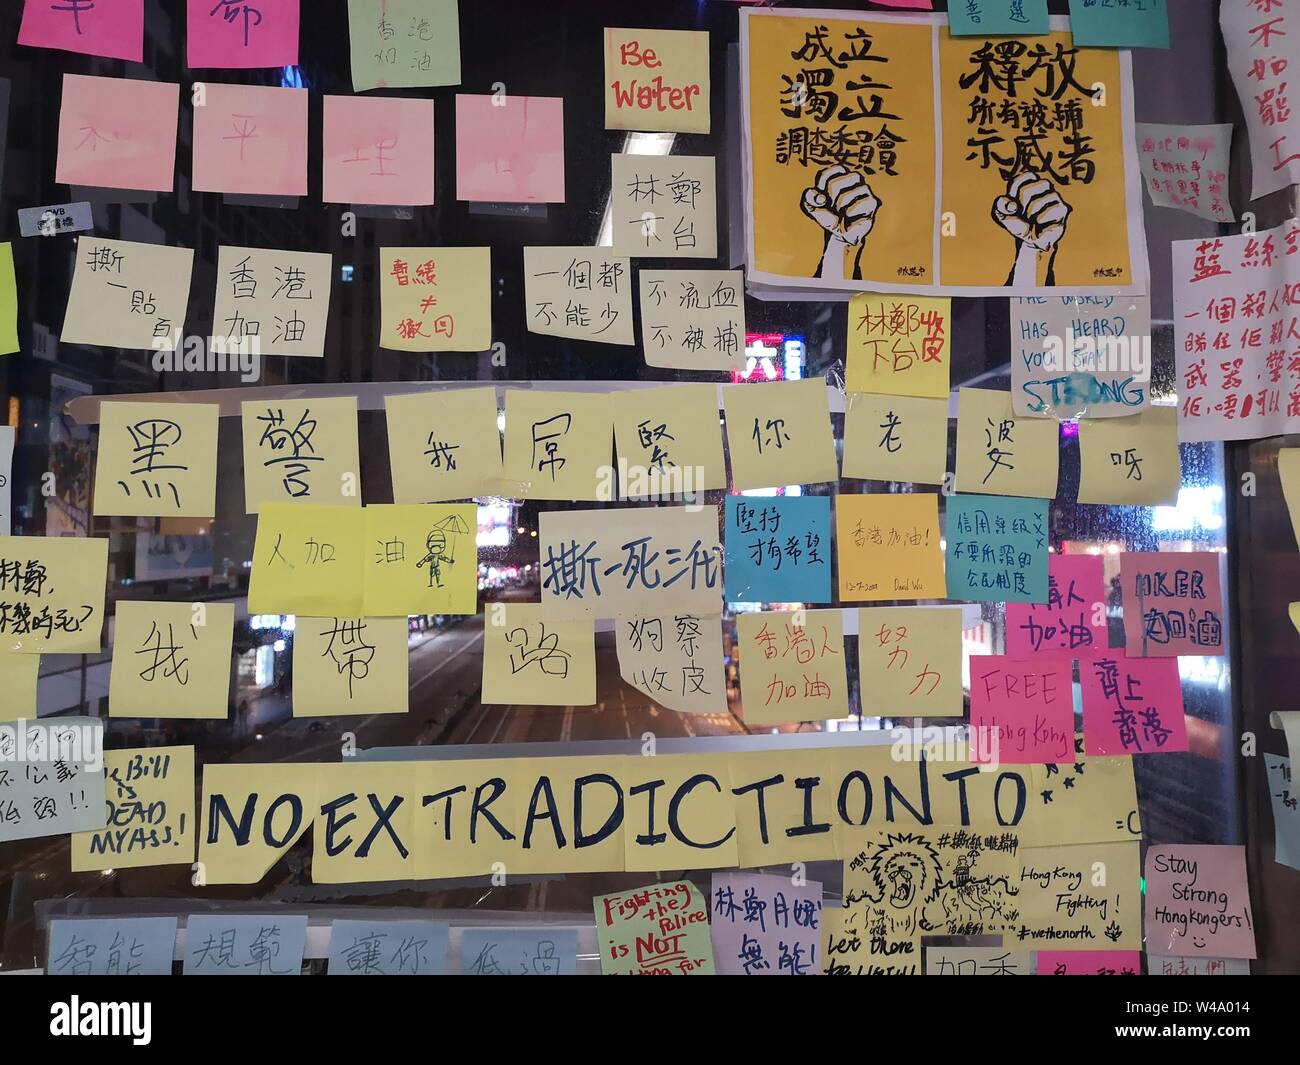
(171, 660)
(52, 593)
(887, 546)
(895, 438)
(347, 666)
(420, 559)
(301, 451)
(559, 445)
(128, 295)
(8, 301)
(1130, 460)
(779, 433)
(669, 441)
(150, 796)
(157, 460)
(532, 660)
(1001, 454)
(792, 666)
(307, 560)
(898, 345)
(909, 659)
(444, 445)
(18, 676)
(435, 299)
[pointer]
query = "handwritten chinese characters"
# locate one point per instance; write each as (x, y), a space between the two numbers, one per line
(112, 946)
(157, 460)
(578, 293)
(999, 453)
(117, 133)
(657, 80)
(1198, 902)
(272, 302)
(149, 793)
(1132, 706)
(128, 295)
(997, 549)
(668, 441)
(659, 930)
(420, 559)
(388, 948)
(1120, 23)
(1187, 167)
(541, 951)
(1172, 603)
(676, 659)
(793, 666)
(778, 549)
(378, 150)
(909, 660)
(510, 149)
(241, 34)
(444, 445)
(51, 777)
(664, 206)
(765, 925)
(888, 547)
(895, 438)
(307, 561)
(347, 666)
(404, 43)
(558, 445)
(1131, 460)
(171, 660)
(693, 319)
(1022, 712)
(435, 299)
(998, 18)
(52, 593)
(978, 961)
(779, 433)
(899, 345)
(90, 27)
(1072, 623)
(251, 139)
(269, 944)
(531, 659)
(301, 451)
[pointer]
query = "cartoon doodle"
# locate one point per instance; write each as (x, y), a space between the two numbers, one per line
(1034, 213)
(905, 872)
(440, 546)
(975, 900)
(842, 203)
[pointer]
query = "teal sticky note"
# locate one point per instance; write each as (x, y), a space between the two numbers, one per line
(1120, 23)
(997, 549)
(998, 18)
(111, 946)
(519, 952)
(270, 944)
(388, 948)
(778, 549)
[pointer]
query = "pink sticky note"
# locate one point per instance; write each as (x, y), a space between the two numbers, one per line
(111, 28)
(1132, 706)
(1021, 711)
(378, 150)
(252, 139)
(1172, 603)
(510, 150)
(117, 133)
(1089, 963)
(1072, 623)
(1197, 902)
(238, 34)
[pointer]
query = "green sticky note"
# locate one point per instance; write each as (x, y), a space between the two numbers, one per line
(8, 302)
(658, 930)
(402, 44)
(998, 18)
(1120, 23)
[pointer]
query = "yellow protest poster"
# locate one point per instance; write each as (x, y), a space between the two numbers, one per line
(1089, 800)
(895, 438)
(1130, 460)
(150, 796)
(272, 302)
(530, 659)
(1085, 896)
(8, 301)
(559, 445)
(52, 593)
(779, 433)
(301, 450)
(1288, 471)
(909, 660)
(365, 829)
(792, 666)
(171, 660)
(420, 559)
(252, 813)
(307, 560)
(443, 445)
(899, 345)
(669, 441)
(693, 791)
(18, 677)
(157, 460)
(543, 816)
(1001, 454)
(347, 666)
(435, 299)
(887, 547)
(128, 295)
(657, 80)
(676, 659)
(797, 818)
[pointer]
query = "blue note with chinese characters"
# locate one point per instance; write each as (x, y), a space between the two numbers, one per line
(998, 18)
(519, 952)
(997, 549)
(270, 944)
(388, 948)
(111, 946)
(1119, 23)
(778, 549)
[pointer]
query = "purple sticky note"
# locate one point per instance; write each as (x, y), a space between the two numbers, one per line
(1197, 902)
(765, 925)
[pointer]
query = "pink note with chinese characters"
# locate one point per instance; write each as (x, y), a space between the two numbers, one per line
(1172, 603)
(1132, 706)
(1021, 711)
(117, 133)
(1072, 623)
(1089, 963)
(110, 28)
(510, 150)
(251, 139)
(378, 150)
(240, 34)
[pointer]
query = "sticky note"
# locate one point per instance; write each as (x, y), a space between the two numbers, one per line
(768, 841)
(541, 951)
(1072, 623)
(532, 660)
(1163, 965)
(128, 295)
(378, 150)
(792, 666)
(8, 301)
(272, 302)
(347, 666)
(1021, 712)
(157, 460)
(1186, 167)
(509, 149)
(675, 659)
(704, 836)
(895, 438)
(117, 133)
(1081, 800)
(558, 445)
(1173, 604)
(909, 661)
(1001, 454)
(230, 789)
(221, 944)
(114, 31)
(241, 35)
(578, 293)
(998, 18)
(657, 80)
(356, 792)
(664, 206)
(693, 319)
(443, 445)
(1289, 722)
(1198, 902)
(435, 299)
(307, 560)
(778, 549)
(251, 139)
(8, 437)
(765, 925)
(1284, 796)
(1132, 706)
(404, 43)
(1061, 900)
(547, 847)
(1089, 963)
(888, 547)
(1130, 460)
(52, 593)
(997, 549)
(632, 940)
(1119, 24)
(301, 451)
(171, 660)
(420, 559)
(899, 345)
(149, 793)
(382, 947)
(779, 433)
(18, 678)
(56, 783)
(977, 961)
(1288, 471)
(668, 440)
(111, 946)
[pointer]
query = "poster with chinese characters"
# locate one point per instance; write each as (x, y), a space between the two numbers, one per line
(979, 961)
(676, 659)
(52, 593)
(114, 31)
(765, 925)
(171, 660)
(895, 438)
(272, 302)
(420, 559)
(302, 451)
(657, 80)
(779, 433)
(898, 345)
(664, 206)
(378, 150)
(1132, 706)
(241, 34)
(909, 661)
(345, 666)
(778, 549)
(668, 441)
(887, 547)
(1173, 603)
(234, 945)
(149, 793)
(578, 293)
(996, 549)
(509, 149)
(385, 947)
(251, 139)
(1001, 454)
(400, 44)
(1187, 167)
(128, 295)
(117, 133)
(558, 445)
(112, 946)
(792, 666)
(658, 930)
(998, 18)
(157, 460)
(693, 319)
(435, 299)
(533, 660)
(443, 445)
(1263, 44)
(543, 950)
(52, 780)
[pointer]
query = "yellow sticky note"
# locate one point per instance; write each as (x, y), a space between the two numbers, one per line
(544, 812)
(18, 676)
(675, 659)
(558, 445)
(1130, 460)
(792, 666)
(669, 441)
(458, 787)
(307, 560)
(444, 445)
(435, 299)
(171, 660)
(252, 814)
(779, 433)
(128, 295)
(347, 666)
(578, 293)
(301, 451)
(1001, 454)
(420, 559)
(887, 547)
(52, 593)
(898, 345)
(664, 206)
(895, 438)
(150, 796)
(1293, 610)
(657, 80)
(696, 793)
(796, 823)
(8, 301)
(1088, 800)
(157, 460)
(693, 319)
(1288, 471)
(1063, 904)
(909, 659)
(533, 660)
(363, 828)
(272, 302)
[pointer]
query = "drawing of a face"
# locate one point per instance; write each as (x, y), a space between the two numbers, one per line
(904, 878)
(436, 543)
(905, 871)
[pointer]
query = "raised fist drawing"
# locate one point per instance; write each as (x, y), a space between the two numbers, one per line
(842, 203)
(1034, 213)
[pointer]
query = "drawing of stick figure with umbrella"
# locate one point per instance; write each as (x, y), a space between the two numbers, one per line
(441, 547)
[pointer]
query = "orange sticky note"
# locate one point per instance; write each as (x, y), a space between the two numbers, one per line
(251, 139)
(378, 150)
(117, 133)
(888, 547)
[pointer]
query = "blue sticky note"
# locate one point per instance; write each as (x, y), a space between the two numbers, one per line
(388, 948)
(519, 952)
(111, 946)
(998, 18)
(778, 549)
(270, 944)
(997, 549)
(1120, 23)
